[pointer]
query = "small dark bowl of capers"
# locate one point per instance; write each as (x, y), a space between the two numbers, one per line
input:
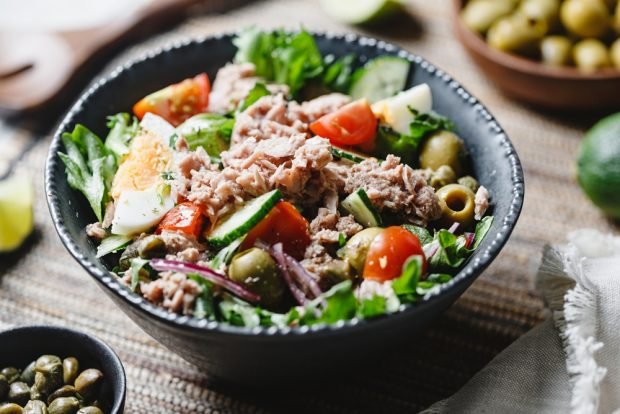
(559, 54)
(54, 370)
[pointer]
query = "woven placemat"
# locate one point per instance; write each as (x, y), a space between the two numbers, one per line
(45, 286)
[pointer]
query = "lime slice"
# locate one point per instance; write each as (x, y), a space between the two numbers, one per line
(361, 11)
(16, 218)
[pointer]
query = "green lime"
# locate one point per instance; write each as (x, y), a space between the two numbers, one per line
(16, 218)
(361, 11)
(598, 165)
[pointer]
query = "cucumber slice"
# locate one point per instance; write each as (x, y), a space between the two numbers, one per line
(112, 244)
(380, 78)
(243, 219)
(348, 155)
(362, 209)
(361, 11)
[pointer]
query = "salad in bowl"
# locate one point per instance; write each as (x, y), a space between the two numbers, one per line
(291, 189)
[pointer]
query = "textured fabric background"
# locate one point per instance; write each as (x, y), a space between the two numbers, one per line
(47, 286)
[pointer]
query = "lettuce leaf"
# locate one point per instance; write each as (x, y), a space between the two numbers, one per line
(258, 91)
(123, 128)
(406, 284)
(210, 131)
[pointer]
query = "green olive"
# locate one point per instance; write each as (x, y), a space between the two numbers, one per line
(255, 269)
(479, 15)
(88, 383)
(590, 55)
(444, 175)
(443, 148)
(457, 204)
(614, 52)
(4, 387)
(585, 18)
(356, 249)
(19, 393)
(11, 408)
(35, 407)
(70, 370)
(556, 50)
(517, 34)
(66, 405)
(90, 410)
(469, 182)
(545, 10)
(10, 373)
(64, 391)
(27, 374)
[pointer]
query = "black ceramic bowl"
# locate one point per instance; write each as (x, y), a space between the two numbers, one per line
(262, 355)
(20, 346)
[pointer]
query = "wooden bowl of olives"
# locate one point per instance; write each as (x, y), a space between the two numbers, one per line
(557, 54)
(54, 370)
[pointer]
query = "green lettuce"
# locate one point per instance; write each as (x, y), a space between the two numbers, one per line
(210, 131)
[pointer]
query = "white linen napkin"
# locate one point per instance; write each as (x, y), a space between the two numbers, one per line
(571, 362)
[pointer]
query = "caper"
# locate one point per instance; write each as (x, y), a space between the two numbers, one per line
(65, 405)
(544, 10)
(35, 394)
(585, 18)
(255, 269)
(27, 374)
(10, 373)
(556, 50)
(443, 148)
(131, 252)
(64, 391)
(517, 34)
(457, 204)
(444, 175)
(469, 182)
(590, 55)
(48, 376)
(90, 410)
(35, 407)
(70, 370)
(479, 15)
(88, 383)
(10, 408)
(151, 246)
(19, 393)
(356, 249)
(614, 53)
(4, 387)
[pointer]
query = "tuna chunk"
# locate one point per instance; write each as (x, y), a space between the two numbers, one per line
(173, 291)
(481, 202)
(397, 188)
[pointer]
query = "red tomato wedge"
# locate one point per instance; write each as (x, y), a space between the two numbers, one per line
(284, 224)
(353, 124)
(388, 253)
(177, 102)
(184, 218)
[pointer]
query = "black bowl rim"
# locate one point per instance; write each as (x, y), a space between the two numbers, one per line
(94, 342)
(481, 260)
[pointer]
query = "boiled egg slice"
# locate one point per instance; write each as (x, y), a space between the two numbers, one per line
(138, 211)
(394, 111)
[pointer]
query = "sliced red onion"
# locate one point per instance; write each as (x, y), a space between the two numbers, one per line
(453, 227)
(303, 277)
(469, 239)
(277, 253)
(431, 249)
(208, 274)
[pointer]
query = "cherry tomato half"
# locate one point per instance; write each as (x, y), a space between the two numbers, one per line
(283, 224)
(389, 251)
(184, 218)
(353, 124)
(177, 102)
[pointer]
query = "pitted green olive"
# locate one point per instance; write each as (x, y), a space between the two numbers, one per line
(27, 374)
(614, 53)
(11, 408)
(443, 148)
(10, 373)
(590, 55)
(517, 34)
(356, 249)
(70, 370)
(255, 269)
(545, 10)
(88, 383)
(556, 50)
(67, 405)
(444, 175)
(479, 15)
(457, 204)
(19, 393)
(35, 407)
(585, 18)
